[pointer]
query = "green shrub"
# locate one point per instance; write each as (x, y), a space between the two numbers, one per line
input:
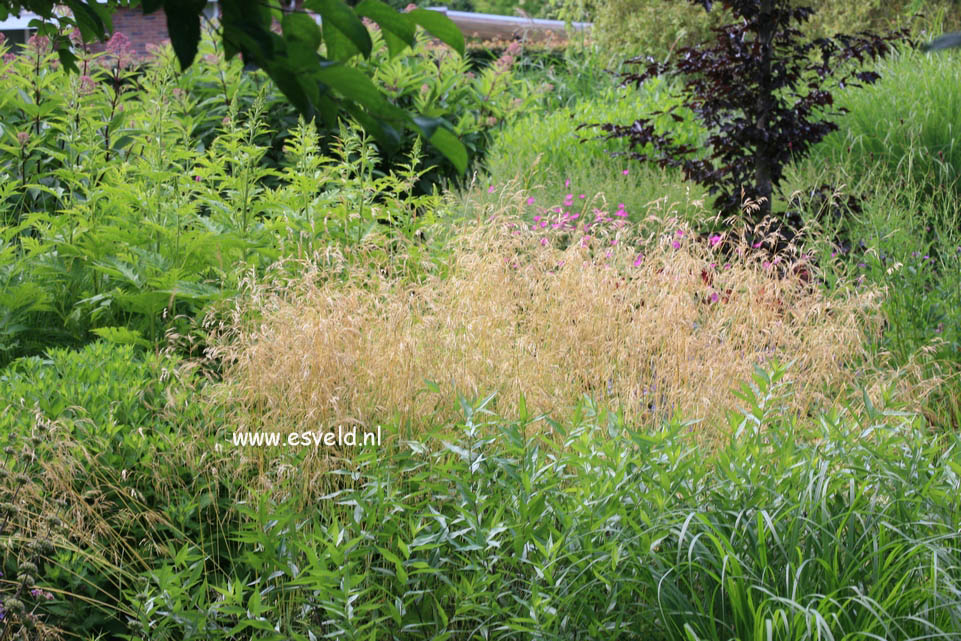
(846, 526)
(546, 155)
(126, 211)
(658, 27)
(906, 123)
(436, 82)
(83, 432)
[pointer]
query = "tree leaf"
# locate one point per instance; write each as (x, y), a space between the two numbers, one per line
(88, 21)
(149, 6)
(301, 28)
(343, 18)
(339, 47)
(439, 26)
(355, 85)
(447, 143)
(389, 20)
(183, 26)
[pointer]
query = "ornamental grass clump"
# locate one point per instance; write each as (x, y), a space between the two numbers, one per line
(542, 317)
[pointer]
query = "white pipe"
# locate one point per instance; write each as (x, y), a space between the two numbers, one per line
(486, 25)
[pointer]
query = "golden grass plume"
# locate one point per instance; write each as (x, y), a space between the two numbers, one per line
(651, 326)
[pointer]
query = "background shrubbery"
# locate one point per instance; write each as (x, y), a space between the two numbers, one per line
(181, 259)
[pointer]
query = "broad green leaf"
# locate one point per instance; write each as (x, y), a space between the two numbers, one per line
(448, 144)
(289, 83)
(299, 27)
(67, 59)
(88, 21)
(394, 44)
(106, 15)
(389, 20)
(183, 26)
(246, 30)
(386, 136)
(339, 47)
(343, 18)
(439, 26)
(355, 85)
(121, 336)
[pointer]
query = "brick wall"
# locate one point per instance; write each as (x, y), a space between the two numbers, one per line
(141, 29)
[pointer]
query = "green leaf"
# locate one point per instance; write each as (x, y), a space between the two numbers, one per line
(386, 136)
(88, 21)
(183, 27)
(106, 15)
(289, 82)
(439, 26)
(447, 143)
(246, 30)
(339, 46)
(390, 21)
(299, 27)
(121, 336)
(149, 6)
(343, 18)
(355, 85)
(67, 59)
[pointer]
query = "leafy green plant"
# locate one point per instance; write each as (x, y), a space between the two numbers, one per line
(746, 90)
(440, 85)
(133, 210)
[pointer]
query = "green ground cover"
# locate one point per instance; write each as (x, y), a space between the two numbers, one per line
(182, 261)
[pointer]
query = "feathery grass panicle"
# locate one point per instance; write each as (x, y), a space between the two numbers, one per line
(547, 316)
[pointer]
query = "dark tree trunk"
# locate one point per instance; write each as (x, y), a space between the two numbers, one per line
(763, 169)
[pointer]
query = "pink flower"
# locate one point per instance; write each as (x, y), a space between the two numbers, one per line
(544, 242)
(40, 44)
(86, 85)
(120, 49)
(714, 297)
(625, 172)
(756, 245)
(766, 264)
(567, 183)
(714, 240)
(676, 245)
(490, 190)
(530, 201)
(582, 196)
(639, 260)
(680, 232)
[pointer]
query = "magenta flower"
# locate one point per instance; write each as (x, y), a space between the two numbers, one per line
(544, 242)
(567, 183)
(676, 245)
(714, 297)
(530, 201)
(490, 190)
(756, 245)
(714, 240)
(626, 171)
(582, 196)
(680, 232)
(639, 260)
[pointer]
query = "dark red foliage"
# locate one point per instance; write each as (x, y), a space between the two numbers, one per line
(761, 91)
